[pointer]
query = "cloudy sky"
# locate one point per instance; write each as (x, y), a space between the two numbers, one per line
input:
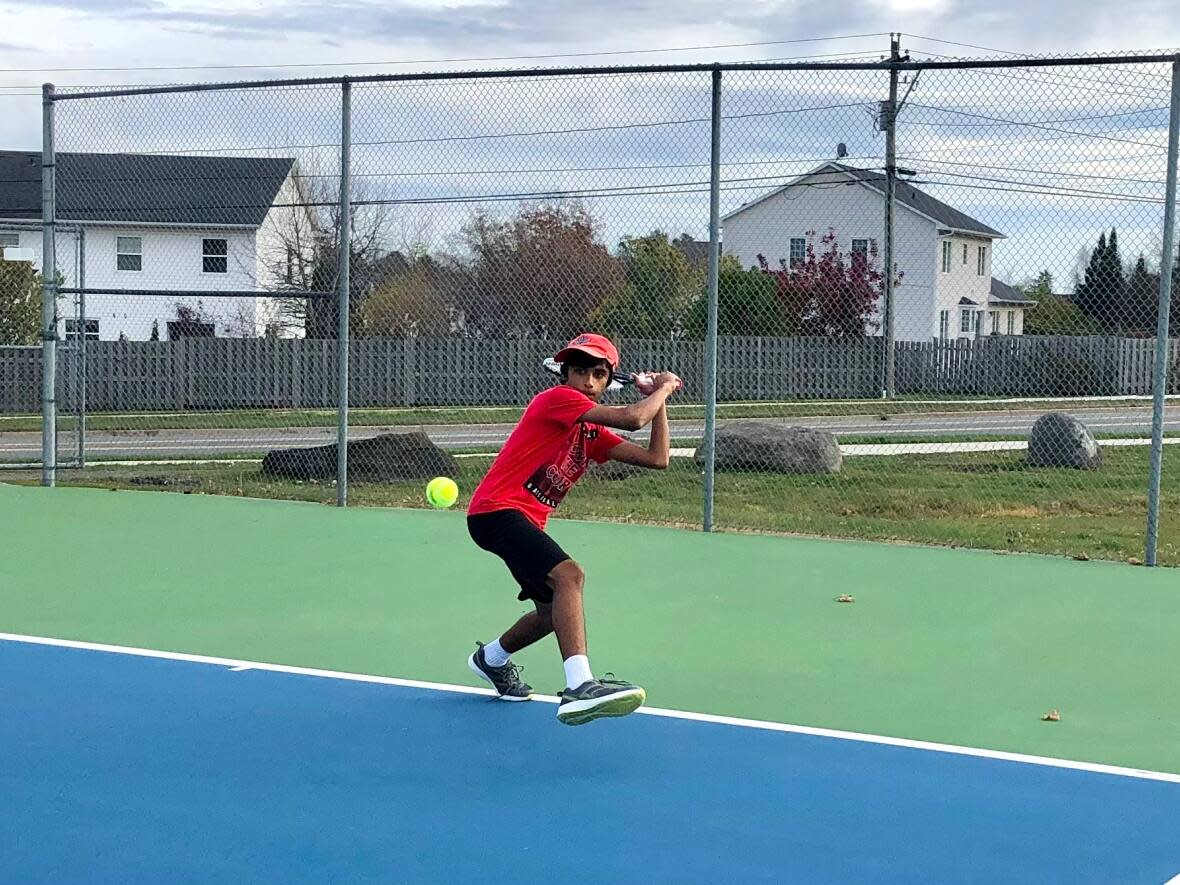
(1037, 154)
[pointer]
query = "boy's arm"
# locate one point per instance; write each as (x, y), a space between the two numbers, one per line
(656, 454)
(636, 415)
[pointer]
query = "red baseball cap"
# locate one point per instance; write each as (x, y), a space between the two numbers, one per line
(595, 345)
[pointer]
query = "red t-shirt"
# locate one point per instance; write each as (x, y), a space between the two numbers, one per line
(544, 456)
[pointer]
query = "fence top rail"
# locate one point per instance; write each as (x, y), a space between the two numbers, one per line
(885, 64)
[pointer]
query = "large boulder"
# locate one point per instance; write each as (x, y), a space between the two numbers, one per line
(387, 457)
(777, 448)
(1061, 440)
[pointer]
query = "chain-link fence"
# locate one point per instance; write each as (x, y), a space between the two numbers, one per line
(917, 261)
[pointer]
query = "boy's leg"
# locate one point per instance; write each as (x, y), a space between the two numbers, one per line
(567, 581)
(585, 697)
(531, 628)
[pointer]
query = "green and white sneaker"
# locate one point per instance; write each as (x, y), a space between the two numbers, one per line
(598, 698)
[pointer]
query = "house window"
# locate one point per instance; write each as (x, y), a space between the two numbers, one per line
(798, 250)
(9, 239)
(964, 253)
(966, 320)
(994, 316)
(1011, 322)
(944, 324)
(129, 253)
(860, 247)
(214, 256)
(946, 256)
(89, 330)
(981, 260)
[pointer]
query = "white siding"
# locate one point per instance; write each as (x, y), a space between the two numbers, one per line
(963, 281)
(172, 259)
(853, 212)
(286, 225)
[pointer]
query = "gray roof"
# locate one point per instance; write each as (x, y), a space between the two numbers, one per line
(907, 195)
(1009, 294)
(145, 188)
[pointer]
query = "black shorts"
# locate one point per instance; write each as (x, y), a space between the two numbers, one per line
(529, 553)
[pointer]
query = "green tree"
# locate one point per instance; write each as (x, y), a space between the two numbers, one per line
(20, 303)
(748, 303)
(658, 289)
(407, 305)
(1055, 315)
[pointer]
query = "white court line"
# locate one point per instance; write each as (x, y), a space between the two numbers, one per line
(238, 665)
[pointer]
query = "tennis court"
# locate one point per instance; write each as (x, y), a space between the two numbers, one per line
(219, 689)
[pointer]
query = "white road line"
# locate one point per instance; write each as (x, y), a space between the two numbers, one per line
(232, 663)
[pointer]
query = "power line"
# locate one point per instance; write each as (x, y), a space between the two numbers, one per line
(1068, 175)
(760, 183)
(501, 135)
(1085, 119)
(1038, 126)
(1043, 192)
(426, 61)
(1048, 188)
(241, 179)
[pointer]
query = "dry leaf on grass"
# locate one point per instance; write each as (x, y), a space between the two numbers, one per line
(1051, 716)
(844, 597)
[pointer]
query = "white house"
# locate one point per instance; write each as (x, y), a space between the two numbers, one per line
(171, 224)
(944, 257)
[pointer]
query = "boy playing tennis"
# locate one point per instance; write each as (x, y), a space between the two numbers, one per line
(562, 429)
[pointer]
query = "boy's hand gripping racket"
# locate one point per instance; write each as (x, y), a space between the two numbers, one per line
(619, 379)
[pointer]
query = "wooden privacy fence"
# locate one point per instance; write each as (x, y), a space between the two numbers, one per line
(235, 373)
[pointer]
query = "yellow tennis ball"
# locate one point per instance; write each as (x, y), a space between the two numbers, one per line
(442, 492)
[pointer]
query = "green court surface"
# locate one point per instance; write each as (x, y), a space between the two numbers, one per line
(953, 646)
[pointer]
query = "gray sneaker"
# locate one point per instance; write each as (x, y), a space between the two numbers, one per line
(505, 680)
(598, 698)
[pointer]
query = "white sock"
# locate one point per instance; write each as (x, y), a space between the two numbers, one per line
(494, 654)
(577, 670)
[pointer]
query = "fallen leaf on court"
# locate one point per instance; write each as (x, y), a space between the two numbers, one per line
(1082, 557)
(844, 597)
(1051, 716)
(1134, 561)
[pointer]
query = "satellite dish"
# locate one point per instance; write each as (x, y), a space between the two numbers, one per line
(841, 150)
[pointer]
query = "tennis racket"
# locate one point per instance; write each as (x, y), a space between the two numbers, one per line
(618, 381)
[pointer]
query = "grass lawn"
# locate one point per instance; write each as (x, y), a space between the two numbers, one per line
(986, 499)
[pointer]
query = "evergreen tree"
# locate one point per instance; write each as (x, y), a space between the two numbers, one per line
(1101, 293)
(1142, 298)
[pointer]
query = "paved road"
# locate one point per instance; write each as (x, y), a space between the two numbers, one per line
(1015, 424)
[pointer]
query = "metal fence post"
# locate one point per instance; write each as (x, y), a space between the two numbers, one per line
(1160, 374)
(710, 391)
(83, 370)
(48, 293)
(342, 300)
(889, 119)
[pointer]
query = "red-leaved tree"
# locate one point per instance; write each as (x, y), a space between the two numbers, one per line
(829, 294)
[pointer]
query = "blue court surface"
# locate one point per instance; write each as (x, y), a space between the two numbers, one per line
(126, 768)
